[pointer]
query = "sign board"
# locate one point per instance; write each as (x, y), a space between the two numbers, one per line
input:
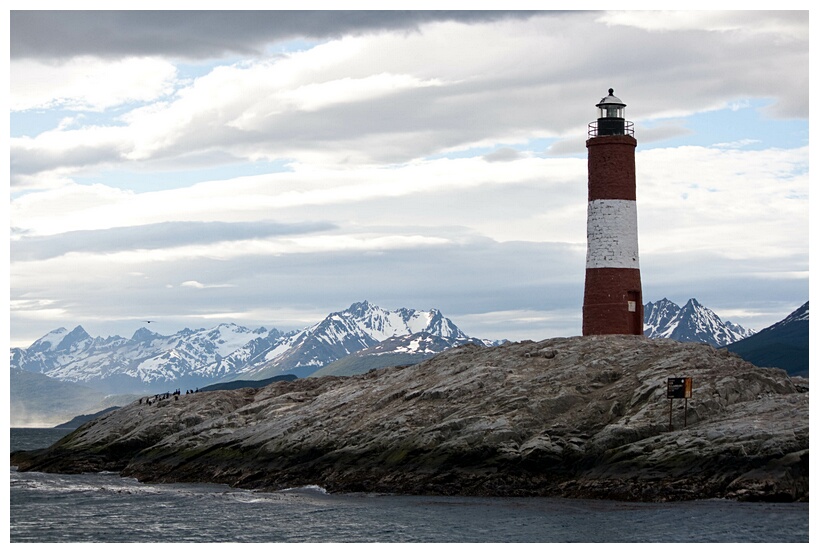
(679, 388)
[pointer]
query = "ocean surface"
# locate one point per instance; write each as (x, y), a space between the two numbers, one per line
(106, 508)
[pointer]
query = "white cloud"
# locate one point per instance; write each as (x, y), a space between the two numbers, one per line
(37, 308)
(783, 24)
(737, 143)
(315, 96)
(70, 207)
(744, 204)
(296, 195)
(87, 83)
(200, 286)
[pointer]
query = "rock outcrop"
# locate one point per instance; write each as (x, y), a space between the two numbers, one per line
(573, 417)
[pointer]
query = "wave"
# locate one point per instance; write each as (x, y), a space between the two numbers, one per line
(310, 488)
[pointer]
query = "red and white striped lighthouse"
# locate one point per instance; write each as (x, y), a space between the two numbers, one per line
(613, 298)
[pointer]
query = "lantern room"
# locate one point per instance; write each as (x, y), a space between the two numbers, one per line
(611, 118)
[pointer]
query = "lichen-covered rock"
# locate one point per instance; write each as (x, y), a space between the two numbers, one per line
(575, 417)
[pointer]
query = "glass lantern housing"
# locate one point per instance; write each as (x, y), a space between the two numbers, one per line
(611, 115)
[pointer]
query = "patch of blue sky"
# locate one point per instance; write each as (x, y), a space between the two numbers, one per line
(746, 127)
(292, 46)
(540, 146)
(140, 182)
(186, 72)
(191, 71)
(36, 121)
(536, 146)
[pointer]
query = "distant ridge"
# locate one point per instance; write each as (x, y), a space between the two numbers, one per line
(37, 400)
(79, 420)
(785, 344)
(237, 384)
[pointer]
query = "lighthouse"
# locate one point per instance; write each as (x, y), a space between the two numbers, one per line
(613, 298)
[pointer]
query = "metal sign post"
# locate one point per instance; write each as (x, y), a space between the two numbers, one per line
(670, 412)
(678, 388)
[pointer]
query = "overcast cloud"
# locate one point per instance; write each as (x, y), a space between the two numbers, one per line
(207, 34)
(267, 168)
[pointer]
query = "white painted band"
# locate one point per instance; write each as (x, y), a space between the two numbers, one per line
(611, 232)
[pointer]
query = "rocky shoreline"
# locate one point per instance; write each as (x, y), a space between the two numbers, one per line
(583, 417)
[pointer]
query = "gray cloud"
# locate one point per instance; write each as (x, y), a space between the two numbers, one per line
(204, 34)
(26, 161)
(503, 154)
(150, 237)
(723, 282)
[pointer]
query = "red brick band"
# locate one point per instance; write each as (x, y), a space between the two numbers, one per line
(612, 174)
(606, 302)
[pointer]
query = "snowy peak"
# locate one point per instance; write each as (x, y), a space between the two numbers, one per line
(144, 335)
(359, 310)
(691, 323)
(49, 342)
(343, 333)
(74, 337)
(801, 314)
(60, 340)
(380, 324)
(193, 358)
(147, 359)
(658, 316)
(226, 337)
(52, 350)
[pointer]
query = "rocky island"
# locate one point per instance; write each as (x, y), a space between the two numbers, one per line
(580, 417)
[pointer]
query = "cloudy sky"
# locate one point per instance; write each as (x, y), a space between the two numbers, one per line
(267, 168)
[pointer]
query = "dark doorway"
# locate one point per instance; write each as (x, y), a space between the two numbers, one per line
(635, 312)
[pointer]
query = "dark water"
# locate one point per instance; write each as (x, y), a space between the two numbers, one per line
(107, 508)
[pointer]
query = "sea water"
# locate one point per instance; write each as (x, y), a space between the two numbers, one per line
(104, 507)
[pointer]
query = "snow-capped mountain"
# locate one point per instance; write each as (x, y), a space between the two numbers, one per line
(195, 358)
(147, 360)
(692, 322)
(340, 334)
(785, 344)
(802, 314)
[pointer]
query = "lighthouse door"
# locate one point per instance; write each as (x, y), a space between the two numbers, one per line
(635, 312)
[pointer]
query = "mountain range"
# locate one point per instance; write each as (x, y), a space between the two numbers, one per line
(355, 340)
(692, 322)
(194, 358)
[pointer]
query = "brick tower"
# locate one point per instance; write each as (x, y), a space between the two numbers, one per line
(613, 298)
